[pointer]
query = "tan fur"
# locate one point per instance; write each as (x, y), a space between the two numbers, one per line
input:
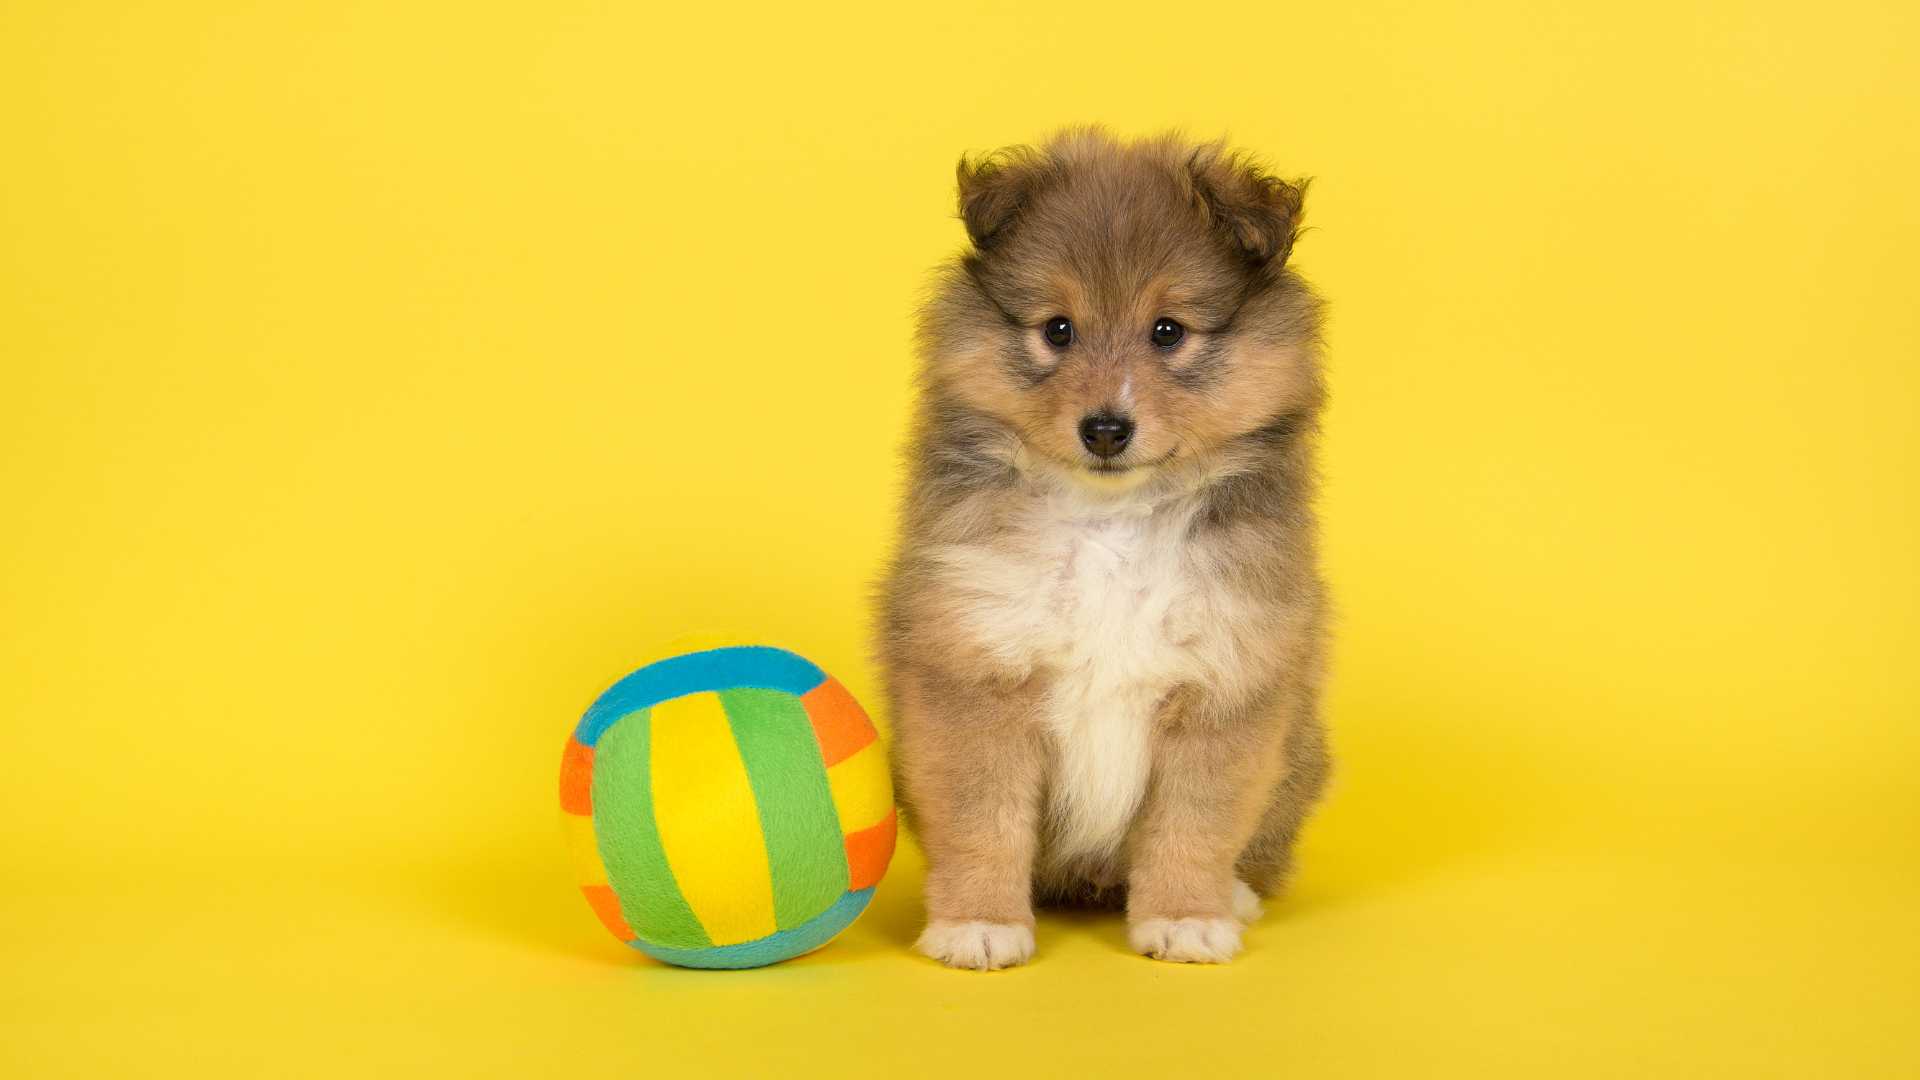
(1104, 675)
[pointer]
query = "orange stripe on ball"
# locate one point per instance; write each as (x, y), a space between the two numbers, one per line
(839, 722)
(607, 906)
(869, 851)
(576, 779)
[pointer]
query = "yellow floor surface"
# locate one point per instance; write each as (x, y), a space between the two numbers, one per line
(1483, 963)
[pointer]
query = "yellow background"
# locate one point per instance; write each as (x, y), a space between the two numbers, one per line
(380, 381)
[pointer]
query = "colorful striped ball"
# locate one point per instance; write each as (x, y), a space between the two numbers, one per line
(728, 808)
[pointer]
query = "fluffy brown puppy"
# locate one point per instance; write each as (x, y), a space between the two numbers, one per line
(1103, 628)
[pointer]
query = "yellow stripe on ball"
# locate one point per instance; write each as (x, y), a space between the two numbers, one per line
(709, 824)
(588, 869)
(862, 790)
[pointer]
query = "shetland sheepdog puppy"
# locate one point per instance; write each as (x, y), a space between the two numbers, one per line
(1103, 629)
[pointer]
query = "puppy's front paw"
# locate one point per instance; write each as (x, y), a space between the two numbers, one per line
(982, 946)
(1186, 941)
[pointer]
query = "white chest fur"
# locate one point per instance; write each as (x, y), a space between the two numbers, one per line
(1105, 600)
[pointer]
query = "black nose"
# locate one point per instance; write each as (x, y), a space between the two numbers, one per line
(1106, 434)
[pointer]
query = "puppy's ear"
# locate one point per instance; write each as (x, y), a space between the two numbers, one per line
(1256, 212)
(995, 188)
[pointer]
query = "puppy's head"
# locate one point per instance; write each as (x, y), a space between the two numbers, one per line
(1124, 306)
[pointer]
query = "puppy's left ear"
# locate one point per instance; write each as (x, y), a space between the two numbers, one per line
(1257, 213)
(995, 188)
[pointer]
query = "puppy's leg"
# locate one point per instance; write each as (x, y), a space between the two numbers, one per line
(1268, 857)
(970, 766)
(1212, 776)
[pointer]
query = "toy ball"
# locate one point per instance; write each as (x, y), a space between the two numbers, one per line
(727, 808)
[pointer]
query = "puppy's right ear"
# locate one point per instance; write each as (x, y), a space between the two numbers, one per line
(1253, 210)
(995, 188)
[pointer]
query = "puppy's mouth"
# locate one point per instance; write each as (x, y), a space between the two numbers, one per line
(1113, 469)
(1122, 477)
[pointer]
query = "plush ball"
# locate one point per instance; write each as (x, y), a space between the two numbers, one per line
(727, 808)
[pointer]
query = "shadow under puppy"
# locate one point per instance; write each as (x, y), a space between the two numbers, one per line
(1103, 629)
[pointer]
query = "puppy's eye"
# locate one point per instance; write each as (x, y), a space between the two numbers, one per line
(1167, 333)
(1058, 332)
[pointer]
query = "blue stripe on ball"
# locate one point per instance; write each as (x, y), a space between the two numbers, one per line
(760, 667)
(773, 948)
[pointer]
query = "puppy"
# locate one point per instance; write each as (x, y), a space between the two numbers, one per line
(1102, 631)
